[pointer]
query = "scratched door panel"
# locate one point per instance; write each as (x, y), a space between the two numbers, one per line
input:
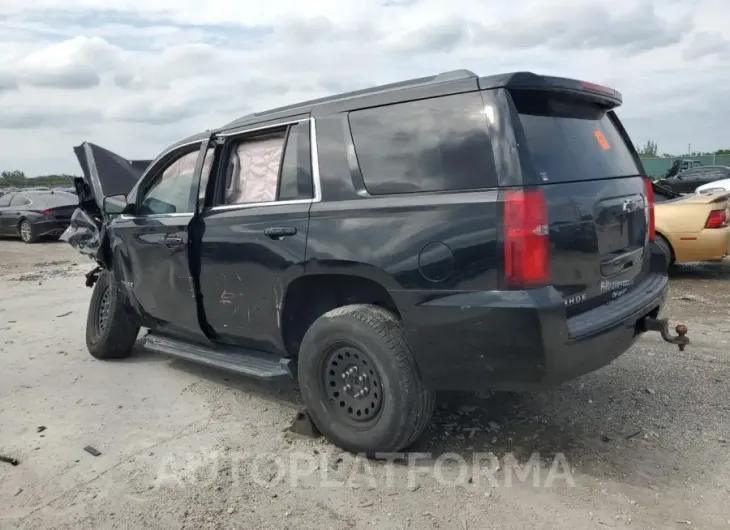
(155, 272)
(245, 273)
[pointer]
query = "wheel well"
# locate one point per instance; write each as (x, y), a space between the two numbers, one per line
(17, 226)
(669, 244)
(310, 297)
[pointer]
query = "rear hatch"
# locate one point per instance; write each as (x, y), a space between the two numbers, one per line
(580, 157)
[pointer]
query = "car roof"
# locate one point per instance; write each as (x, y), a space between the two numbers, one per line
(444, 83)
(709, 167)
(57, 197)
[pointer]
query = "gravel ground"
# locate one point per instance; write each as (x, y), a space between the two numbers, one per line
(642, 443)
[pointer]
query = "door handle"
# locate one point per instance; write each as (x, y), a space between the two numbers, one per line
(277, 232)
(172, 241)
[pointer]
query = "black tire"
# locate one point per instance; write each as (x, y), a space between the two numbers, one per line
(404, 405)
(112, 337)
(26, 232)
(666, 247)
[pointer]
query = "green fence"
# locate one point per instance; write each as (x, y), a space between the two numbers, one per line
(656, 167)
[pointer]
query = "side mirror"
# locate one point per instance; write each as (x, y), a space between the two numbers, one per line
(114, 204)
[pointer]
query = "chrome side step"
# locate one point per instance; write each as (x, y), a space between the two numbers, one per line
(246, 362)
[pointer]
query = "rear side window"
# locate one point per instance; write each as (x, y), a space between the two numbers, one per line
(427, 145)
(20, 200)
(717, 174)
(571, 139)
(295, 181)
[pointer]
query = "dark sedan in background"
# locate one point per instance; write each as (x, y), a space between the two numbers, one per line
(688, 181)
(32, 215)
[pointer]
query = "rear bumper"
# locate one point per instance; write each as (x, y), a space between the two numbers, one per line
(522, 340)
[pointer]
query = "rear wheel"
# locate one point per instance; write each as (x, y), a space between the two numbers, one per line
(666, 247)
(360, 382)
(110, 328)
(26, 231)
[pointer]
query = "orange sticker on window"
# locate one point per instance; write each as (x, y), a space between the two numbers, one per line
(601, 140)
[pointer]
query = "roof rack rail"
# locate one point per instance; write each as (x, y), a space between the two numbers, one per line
(454, 75)
(443, 77)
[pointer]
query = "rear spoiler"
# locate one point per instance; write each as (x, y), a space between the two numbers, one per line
(604, 95)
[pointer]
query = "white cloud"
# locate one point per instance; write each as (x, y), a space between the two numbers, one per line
(74, 63)
(135, 75)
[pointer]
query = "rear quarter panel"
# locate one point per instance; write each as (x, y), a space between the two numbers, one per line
(682, 223)
(421, 243)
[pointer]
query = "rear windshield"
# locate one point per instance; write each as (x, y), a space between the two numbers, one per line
(570, 139)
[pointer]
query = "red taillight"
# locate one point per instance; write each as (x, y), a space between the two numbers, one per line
(46, 212)
(526, 238)
(649, 196)
(598, 88)
(716, 219)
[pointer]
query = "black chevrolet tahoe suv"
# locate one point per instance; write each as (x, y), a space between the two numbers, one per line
(451, 232)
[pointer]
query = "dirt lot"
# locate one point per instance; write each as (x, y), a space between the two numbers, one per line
(642, 443)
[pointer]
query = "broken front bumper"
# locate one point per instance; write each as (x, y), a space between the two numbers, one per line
(83, 233)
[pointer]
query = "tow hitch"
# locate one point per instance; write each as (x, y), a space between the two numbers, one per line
(662, 326)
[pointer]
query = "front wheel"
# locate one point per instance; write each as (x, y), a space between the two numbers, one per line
(110, 327)
(360, 382)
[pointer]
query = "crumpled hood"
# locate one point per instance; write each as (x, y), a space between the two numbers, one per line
(106, 173)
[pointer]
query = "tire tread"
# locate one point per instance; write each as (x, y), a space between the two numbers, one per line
(419, 403)
(121, 333)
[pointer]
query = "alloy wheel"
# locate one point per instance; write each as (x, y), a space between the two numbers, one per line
(26, 233)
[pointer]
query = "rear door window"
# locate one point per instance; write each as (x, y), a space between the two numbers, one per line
(295, 181)
(271, 166)
(570, 139)
(252, 174)
(433, 144)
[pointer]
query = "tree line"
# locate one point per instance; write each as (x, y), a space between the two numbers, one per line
(18, 179)
(651, 150)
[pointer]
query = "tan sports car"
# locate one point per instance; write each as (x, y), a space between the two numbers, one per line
(692, 227)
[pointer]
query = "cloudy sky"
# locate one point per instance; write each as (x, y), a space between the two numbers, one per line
(136, 75)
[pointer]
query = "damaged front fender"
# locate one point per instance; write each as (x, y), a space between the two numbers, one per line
(84, 233)
(104, 174)
(87, 233)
